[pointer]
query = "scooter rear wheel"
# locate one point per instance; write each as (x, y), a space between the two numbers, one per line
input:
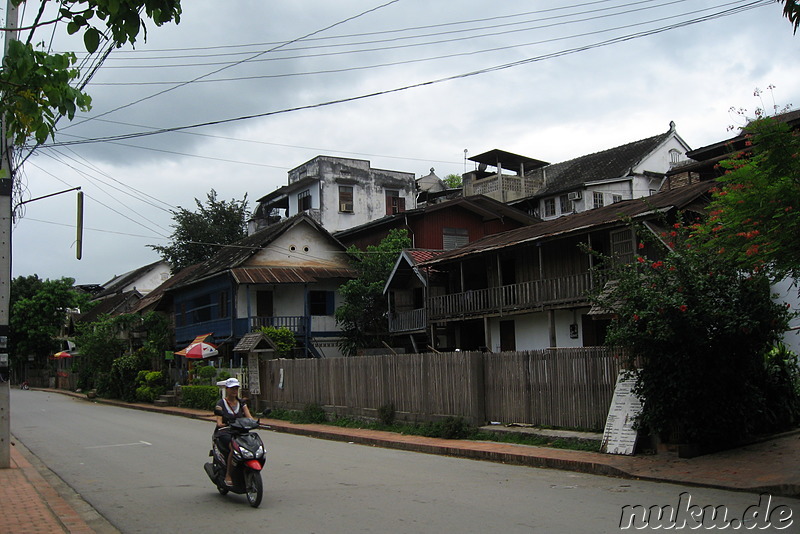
(254, 487)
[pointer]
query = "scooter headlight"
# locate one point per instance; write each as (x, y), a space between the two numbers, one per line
(246, 454)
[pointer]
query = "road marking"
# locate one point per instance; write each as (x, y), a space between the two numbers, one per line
(120, 445)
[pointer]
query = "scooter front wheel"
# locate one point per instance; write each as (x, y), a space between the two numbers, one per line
(254, 487)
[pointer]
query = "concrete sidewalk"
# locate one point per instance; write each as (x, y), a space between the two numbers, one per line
(29, 503)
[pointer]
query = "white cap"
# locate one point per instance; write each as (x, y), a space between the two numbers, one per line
(231, 383)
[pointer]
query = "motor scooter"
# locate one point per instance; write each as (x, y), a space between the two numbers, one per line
(249, 457)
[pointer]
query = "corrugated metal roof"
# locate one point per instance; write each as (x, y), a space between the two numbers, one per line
(289, 275)
(677, 198)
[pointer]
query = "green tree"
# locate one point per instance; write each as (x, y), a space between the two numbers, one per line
(700, 329)
(198, 234)
(363, 315)
(754, 216)
(37, 86)
(38, 310)
(452, 181)
(282, 337)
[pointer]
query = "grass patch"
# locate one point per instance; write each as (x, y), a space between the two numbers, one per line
(447, 428)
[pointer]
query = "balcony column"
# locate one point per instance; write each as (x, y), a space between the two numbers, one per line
(487, 334)
(551, 322)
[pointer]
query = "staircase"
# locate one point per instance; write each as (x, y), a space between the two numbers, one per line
(170, 398)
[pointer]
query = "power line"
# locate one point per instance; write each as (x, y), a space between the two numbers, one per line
(608, 42)
(266, 143)
(244, 60)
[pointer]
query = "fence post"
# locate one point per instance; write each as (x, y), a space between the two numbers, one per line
(477, 391)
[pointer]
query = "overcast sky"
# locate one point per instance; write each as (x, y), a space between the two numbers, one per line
(550, 80)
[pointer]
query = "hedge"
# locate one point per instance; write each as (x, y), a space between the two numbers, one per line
(200, 397)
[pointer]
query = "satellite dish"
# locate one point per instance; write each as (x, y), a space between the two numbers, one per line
(481, 167)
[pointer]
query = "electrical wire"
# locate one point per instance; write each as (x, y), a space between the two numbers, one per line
(259, 54)
(551, 55)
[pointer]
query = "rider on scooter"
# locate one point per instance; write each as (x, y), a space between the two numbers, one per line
(227, 410)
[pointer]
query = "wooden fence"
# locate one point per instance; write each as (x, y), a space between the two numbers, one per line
(570, 388)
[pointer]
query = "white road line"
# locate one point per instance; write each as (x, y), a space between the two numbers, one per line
(120, 445)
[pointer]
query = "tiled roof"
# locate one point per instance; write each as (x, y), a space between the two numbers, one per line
(154, 297)
(118, 283)
(611, 163)
(419, 255)
(679, 198)
(232, 256)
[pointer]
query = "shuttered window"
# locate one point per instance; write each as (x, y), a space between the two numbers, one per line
(454, 238)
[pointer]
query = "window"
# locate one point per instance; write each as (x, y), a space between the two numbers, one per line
(320, 303)
(550, 207)
(616, 198)
(674, 156)
(346, 198)
(566, 204)
(597, 197)
(394, 202)
(303, 201)
(223, 304)
(201, 309)
(454, 238)
(622, 246)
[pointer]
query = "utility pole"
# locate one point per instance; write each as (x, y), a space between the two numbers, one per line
(6, 190)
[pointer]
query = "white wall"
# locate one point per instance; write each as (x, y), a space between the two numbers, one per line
(786, 291)
(532, 330)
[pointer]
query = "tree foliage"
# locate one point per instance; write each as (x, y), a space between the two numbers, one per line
(754, 217)
(108, 360)
(791, 10)
(453, 181)
(363, 315)
(38, 310)
(37, 86)
(700, 329)
(282, 337)
(198, 234)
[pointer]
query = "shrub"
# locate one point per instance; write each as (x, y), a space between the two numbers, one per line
(200, 397)
(150, 385)
(448, 428)
(312, 413)
(386, 414)
(207, 373)
(282, 337)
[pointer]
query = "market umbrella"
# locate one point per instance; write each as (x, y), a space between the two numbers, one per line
(201, 350)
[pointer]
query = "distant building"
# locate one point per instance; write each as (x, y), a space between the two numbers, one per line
(338, 193)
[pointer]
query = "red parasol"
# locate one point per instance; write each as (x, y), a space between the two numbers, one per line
(201, 350)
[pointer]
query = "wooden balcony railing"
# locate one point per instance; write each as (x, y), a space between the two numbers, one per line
(297, 324)
(407, 321)
(522, 296)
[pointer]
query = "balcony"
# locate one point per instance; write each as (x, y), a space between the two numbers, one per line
(407, 321)
(531, 295)
(296, 323)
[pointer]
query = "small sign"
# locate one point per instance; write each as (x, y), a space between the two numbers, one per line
(619, 436)
(3, 359)
(169, 355)
(252, 374)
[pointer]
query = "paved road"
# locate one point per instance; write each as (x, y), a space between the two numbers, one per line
(143, 472)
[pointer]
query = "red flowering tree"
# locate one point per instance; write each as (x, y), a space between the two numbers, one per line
(754, 217)
(699, 327)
